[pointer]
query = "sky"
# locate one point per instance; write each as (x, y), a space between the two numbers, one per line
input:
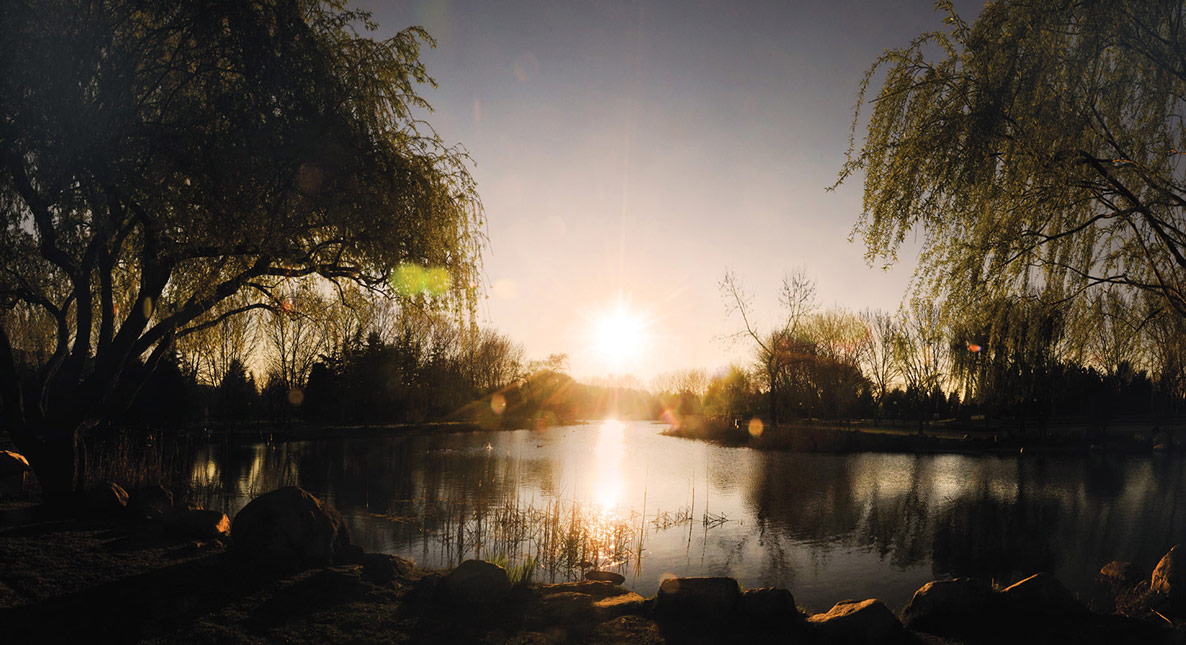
(627, 154)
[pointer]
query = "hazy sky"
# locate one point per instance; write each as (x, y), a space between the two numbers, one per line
(633, 151)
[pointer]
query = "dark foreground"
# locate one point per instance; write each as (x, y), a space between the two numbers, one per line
(65, 578)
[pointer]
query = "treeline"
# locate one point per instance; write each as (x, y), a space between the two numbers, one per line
(348, 359)
(1018, 359)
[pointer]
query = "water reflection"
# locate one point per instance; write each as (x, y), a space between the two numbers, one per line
(621, 496)
(607, 475)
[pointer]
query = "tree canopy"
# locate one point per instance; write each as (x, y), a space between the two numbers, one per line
(158, 158)
(1040, 150)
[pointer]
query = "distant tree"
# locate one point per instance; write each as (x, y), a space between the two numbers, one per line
(157, 158)
(1166, 335)
(731, 394)
(211, 351)
(1039, 147)
(778, 349)
(877, 363)
(236, 394)
(294, 335)
(922, 353)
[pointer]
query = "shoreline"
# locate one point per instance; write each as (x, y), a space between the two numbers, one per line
(126, 580)
(861, 436)
(828, 436)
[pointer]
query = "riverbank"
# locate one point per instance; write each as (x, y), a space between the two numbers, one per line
(938, 437)
(115, 578)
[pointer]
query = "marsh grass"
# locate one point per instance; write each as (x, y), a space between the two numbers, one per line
(558, 539)
(133, 459)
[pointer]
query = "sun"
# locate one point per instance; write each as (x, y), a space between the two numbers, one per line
(619, 336)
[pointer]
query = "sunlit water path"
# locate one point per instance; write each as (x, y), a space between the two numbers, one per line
(624, 497)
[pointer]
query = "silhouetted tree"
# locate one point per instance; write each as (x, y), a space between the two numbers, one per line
(158, 158)
(236, 395)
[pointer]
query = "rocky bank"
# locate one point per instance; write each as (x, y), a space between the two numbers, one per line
(133, 567)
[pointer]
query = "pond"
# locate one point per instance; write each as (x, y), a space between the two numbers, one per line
(621, 496)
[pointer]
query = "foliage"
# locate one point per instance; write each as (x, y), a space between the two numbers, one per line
(156, 159)
(1039, 150)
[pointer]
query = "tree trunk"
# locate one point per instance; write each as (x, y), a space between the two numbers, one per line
(59, 463)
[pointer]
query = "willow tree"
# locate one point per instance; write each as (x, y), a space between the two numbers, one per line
(158, 158)
(1039, 150)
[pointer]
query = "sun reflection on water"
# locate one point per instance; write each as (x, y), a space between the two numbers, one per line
(607, 466)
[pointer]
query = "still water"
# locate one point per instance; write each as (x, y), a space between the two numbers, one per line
(625, 498)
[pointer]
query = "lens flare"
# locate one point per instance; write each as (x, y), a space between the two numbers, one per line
(498, 404)
(410, 279)
(619, 337)
(756, 427)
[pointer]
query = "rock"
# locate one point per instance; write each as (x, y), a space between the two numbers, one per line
(606, 576)
(1169, 580)
(769, 604)
(700, 599)
(341, 582)
(350, 554)
(628, 603)
(289, 529)
(628, 630)
(565, 608)
(1121, 574)
(13, 463)
(107, 499)
(1041, 593)
(942, 604)
(478, 581)
(427, 589)
(382, 569)
(191, 520)
(849, 621)
(595, 588)
(151, 502)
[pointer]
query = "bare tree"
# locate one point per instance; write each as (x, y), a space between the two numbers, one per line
(878, 360)
(775, 350)
(494, 361)
(210, 352)
(921, 350)
(294, 336)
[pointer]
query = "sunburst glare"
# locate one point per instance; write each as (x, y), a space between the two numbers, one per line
(619, 337)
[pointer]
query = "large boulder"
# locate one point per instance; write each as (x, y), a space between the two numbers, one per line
(478, 582)
(943, 604)
(849, 621)
(193, 521)
(1120, 574)
(13, 463)
(106, 499)
(769, 604)
(605, 576)
(1041, 593)
(290, 529)
(701, 599)
(382, 569)
(1169, 580)
(595, 588)
(14, 471)
(625, 604)
(565, 608)
(150, 502)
